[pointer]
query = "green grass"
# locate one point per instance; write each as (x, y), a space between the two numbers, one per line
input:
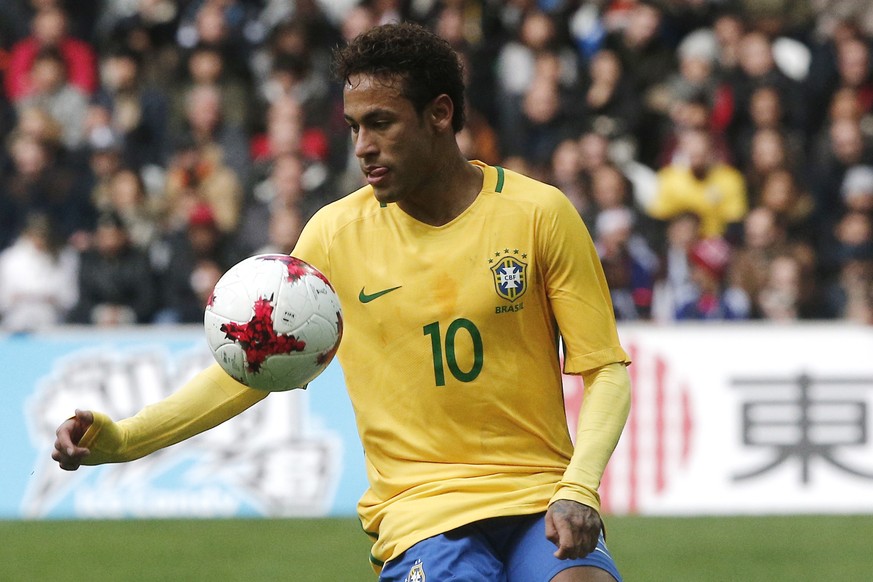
(741, 549)
(744, 549)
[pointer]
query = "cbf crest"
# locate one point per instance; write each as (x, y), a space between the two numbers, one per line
(510, 273)
(416, 574)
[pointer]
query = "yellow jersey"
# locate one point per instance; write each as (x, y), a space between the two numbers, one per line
(450, 350)
(719, 199)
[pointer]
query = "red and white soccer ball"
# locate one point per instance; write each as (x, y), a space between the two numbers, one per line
(273, 322)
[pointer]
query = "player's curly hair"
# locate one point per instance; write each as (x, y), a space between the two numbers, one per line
(425, 62)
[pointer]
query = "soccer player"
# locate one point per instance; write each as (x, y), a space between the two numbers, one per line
(457, 280)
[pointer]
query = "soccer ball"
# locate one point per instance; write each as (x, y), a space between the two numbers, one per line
(273, 322)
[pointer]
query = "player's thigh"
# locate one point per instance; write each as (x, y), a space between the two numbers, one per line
(532, 559)
(461, 555)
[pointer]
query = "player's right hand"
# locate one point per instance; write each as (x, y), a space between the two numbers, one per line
(67, 451)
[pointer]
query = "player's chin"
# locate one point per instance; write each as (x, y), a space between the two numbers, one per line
(384, 195)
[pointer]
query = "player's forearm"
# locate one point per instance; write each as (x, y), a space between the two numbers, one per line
(207, 400)
(602, 418)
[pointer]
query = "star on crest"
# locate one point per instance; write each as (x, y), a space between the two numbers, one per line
(507, 251)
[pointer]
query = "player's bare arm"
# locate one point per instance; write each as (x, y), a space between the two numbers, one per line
(67, 452)
(573, 528)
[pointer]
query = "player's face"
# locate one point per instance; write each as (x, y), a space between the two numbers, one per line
(393, 143)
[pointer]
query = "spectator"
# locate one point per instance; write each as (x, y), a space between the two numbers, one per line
(565, 172)
(49, 89)
(517, 66)
(781, 297)
(782, 194)
(219, 24)
(478, 40)
(628, 263)
(607, 100)
(609, 104)
(696, 71)
(288, 133)
(543, 124)
(116, 284)
(624, 188)
(768, 152)
(757, 68)
(846, 258)
(103, 153)
(699, 183)
(692, 112)
(220, 142)
(674, 285)
(479, 138)
(609, 189)
(283, 230)
(34, 121)
(293, 75)
(126, 195)
(641, 47)
(305, 39)
(594, 152)
(138, 112)
(766, 112)
(282, 187)
(288, 136)
(844, 104)
(648, 61)
(712, 299)
(204, 67)
(844, 67)
(698, 79)
(37, 278)
(283, 133)
(857, 189)
(49, 31)
(38, 182)
(850, 297)
(850, 238)
(147, 29)
(844, 146)
(197, 257)
(194, 177)
(729, 28)
(765, 239)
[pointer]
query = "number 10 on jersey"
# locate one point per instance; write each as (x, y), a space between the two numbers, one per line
(437, 341)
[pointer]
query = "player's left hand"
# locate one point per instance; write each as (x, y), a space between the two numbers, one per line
(573, 527)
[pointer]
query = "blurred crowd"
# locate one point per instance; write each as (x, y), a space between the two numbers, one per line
(720, 151)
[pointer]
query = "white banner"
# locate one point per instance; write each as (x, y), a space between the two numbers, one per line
(726, 419)
(736, 419)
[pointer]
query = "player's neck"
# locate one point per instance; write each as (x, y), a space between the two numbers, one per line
(454, 186)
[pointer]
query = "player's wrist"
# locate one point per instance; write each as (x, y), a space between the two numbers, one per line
(578, 493)
(103, 438)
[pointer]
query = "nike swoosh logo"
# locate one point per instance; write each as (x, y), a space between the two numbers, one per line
(365, 298)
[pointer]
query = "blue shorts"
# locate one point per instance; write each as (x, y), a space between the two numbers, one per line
(502, 549)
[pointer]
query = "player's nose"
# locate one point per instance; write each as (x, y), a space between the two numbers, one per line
(365, 144)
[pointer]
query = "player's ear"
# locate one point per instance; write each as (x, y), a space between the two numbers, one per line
(439, 113)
